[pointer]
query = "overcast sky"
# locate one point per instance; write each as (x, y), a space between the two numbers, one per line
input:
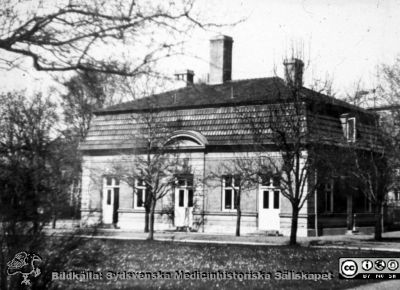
(345, 39)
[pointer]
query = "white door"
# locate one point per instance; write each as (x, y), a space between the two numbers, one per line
(108, 205)
(269, 209)
(183, 207)
(110, 200)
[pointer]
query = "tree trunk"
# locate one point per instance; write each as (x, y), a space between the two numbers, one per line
(239, 216)
(151, 232)
(378, 222)
(293, 230)
(146, 220)
(238, 212)
(349, 210)
(54, 221)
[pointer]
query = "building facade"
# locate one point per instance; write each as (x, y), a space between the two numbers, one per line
(211, 128)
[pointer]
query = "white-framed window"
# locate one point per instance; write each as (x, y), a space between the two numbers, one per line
(184, 184)
(328, 195)
(270, 187)
(397, 195)
(230, 189)
(351, 129)
(139, 194)
(111, 184)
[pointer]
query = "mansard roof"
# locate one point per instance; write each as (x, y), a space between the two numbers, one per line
(238, 92)
(215, 111)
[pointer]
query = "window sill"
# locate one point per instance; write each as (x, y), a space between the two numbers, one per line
(139, 208)
(229, 210)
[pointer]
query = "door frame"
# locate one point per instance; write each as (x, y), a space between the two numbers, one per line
(184, 214)
(272, 212)
(110, 202)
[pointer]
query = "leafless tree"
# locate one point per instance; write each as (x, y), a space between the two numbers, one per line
(76, 35)
(374, 169)
(153, 160)
(375, 166)
(304, 161)
(242, 176)
(288, 127)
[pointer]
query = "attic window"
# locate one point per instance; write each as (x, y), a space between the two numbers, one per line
(349, 126)
(351, 129)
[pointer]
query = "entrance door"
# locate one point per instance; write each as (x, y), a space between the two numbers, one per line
(184, 204)
(110, 200)
(269, 209)
(115, 206)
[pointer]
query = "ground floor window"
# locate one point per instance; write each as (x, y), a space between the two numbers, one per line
(328, 196)
(110, 184)
(184, 184)
(230, 190)
(276, 199)
(397, 195)
(139, 194)
(270, 187)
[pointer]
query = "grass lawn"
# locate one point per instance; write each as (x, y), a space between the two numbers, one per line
(119, 256)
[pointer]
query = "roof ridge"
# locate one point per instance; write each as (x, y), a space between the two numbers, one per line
(235, 92)
(183, 89)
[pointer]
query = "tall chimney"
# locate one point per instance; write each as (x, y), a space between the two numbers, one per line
(294, 72)
(220, 59)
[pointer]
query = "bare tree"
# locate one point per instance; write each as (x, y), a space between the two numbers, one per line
(374, 169)
(240, 174)
(386, 98)
(68, 35)
(153, 162)
(302, 163)
(288, 127)
(375, 166)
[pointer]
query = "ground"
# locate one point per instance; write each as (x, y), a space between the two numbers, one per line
(117, 255)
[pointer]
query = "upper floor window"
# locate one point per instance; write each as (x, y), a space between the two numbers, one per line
(230, 190)
(349, 126)
(351, 129)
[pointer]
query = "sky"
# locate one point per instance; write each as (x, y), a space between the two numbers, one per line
(344, 41)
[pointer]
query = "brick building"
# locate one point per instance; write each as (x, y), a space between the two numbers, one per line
(206, 121)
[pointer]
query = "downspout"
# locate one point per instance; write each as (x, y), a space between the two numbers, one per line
(204, 189)
(315, 206)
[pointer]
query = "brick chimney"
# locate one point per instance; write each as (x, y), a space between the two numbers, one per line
(294, 72)
(220, 59)
(186, 76)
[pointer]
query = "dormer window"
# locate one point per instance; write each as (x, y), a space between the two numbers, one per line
(351, 129)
